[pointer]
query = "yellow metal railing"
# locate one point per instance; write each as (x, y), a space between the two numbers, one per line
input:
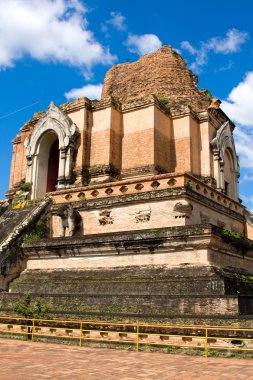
(134, 334)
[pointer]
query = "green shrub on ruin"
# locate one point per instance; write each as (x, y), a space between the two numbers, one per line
(32, 310)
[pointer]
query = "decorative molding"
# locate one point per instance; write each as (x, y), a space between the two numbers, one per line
(56, 121)
(142, 170)
(100, 170)
(222, 142)
(106, 103)
(249, 217)
(139, 197)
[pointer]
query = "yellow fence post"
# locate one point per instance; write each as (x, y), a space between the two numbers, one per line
(33, 331)
(137, 337)
(206, 343)
(81, 333)
(26, 327)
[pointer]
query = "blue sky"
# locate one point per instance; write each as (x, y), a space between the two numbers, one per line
(61, 49)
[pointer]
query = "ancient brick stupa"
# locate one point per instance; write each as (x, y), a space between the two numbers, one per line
(163, 74)
(138, 199)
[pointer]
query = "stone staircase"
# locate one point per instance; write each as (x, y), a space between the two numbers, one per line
(119, 293)
(3, 206)
(14, 224)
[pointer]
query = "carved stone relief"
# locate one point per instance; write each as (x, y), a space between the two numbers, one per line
(183, 207)
(105, 217)
(70, 220)
(142, 216)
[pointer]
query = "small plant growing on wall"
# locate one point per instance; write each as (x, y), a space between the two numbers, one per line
(6, 260)
(209, 95)
(237, 239)
(26, 186)
(8, 254)
(32, 310)
(188, 184)
(36, 310)
(39, 232)
(164, 100)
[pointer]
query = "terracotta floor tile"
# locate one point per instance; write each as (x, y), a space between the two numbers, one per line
(42, 361)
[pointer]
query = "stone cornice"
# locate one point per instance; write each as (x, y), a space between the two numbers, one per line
(172, 193)
(217, 118)
(188, 111)
(31, 123)
(76, 105)
(105, 103)
(17, 139)
(166, 239)
(157, 233)
(143, 103)
(81, 103)
(168, 181)
(94, 105)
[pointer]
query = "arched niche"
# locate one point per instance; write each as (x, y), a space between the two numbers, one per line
(229, 180)
(225, 161)
(42, 164)
(53, 126)
(53, 167)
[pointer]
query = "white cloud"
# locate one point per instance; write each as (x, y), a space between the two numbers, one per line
(228, 66)
(244, 143)
(217, 45)
(49, 31)
(117, 20)
(230, 44)
(247, 177)
(188, 47)
(143, 44)
(91, 91)
(239, 104)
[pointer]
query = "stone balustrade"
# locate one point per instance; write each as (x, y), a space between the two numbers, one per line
(143, 185)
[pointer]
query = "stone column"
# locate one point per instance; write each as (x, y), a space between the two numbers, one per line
(29, 168)
(61, 171)
(216, 168)
(236, 176)
(222, 181)
(33, 171)
(68, 163)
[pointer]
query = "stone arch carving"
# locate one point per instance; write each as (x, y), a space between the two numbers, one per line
(54, 121)
(223, 146)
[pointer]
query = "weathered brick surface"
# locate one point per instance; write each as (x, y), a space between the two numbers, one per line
(137, 290)
(163, 73)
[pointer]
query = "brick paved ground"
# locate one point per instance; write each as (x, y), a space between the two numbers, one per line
(27, 361)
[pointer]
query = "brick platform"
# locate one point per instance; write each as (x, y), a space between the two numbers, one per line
(26, 360)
